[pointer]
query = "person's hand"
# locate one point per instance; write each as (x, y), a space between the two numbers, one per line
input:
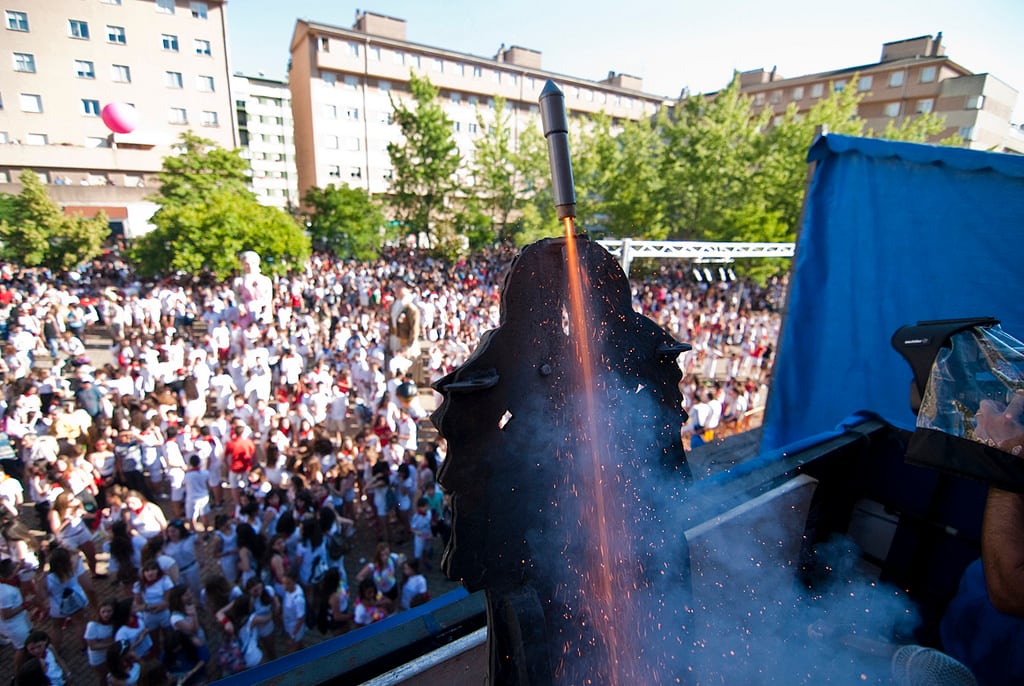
(1000, 426)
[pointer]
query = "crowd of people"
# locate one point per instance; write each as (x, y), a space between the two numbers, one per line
(210, 474)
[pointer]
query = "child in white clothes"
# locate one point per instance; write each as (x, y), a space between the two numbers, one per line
(293, 613)
(197, 494)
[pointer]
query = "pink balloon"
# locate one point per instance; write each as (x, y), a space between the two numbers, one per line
(120, 117)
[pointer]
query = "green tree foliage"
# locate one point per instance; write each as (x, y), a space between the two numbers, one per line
(195, 237)
(345, 221)
(201, 168)
(425, 162)
(35, 232)
(207, 216)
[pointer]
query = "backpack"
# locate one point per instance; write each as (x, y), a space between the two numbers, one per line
(318, 569)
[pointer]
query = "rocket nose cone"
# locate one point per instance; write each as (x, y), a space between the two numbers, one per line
(550, 89)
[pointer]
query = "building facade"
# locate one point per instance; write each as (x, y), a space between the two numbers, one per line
(912, 77)
(67, 60)
(264, 113)
(342, 81)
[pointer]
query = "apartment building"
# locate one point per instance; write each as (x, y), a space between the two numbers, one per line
(342, 81)
(912, 77)
(264, 113)
(67, 60)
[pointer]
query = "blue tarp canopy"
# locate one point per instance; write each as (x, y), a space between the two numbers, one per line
(893, 233)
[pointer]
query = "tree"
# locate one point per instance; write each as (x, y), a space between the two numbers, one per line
(424, 162)
(495, 184)
(207, 216)
(35, 232)
(208, 236)
(345, 221)
(200, 168)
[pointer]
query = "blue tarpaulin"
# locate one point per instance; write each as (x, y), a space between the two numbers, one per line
(893, 233)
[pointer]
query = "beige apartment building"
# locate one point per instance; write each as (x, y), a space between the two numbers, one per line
(911, 77)
(342, 80)
(264, 113)
(66, 60)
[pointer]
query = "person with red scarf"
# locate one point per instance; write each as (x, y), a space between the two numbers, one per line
(239, 452)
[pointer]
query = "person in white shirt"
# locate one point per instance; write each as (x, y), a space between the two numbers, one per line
(15, 626)
(414, 590)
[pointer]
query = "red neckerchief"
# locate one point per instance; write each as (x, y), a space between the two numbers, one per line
(133, 621)
(11, 582)
(138, 511)
(150, 583)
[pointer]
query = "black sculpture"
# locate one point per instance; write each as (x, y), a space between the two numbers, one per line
(558, 496)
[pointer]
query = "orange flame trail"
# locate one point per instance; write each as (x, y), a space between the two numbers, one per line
(600, 598)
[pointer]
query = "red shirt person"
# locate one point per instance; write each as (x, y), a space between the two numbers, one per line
(238, 453)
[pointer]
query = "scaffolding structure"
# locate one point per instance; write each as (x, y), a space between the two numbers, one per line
(627, 249)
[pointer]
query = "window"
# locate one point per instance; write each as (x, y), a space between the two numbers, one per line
(976, 102)
(839, 85)
(169, 42)
(513, 79)
(478, 72)
(202, 47)
(456, 98)
(460, 69)
(352, 82)
(816, 90)
(90, 108)
(351, 143)
(758, 99)
(398, 57)
(78, 29)
(329, 78)
(775, 97)
(120, 73)
(37, 139)
(334, 171)
(374, 52)
(925, 106)
(177, 115)
(798, 93)
(84, 69)
(356, 172)
(204, 84)
(209, 118)
(17, 21)
(331, 111)
(30, 102)
(414, 61)
(892, 109)
(967, 133)
(95, 142)
(927, 74)
(352, 113)
(472, 100)
(864, 83)
(172, 79)
(472, 127)
(384, 85)
(331, 142)
(531, 83)
(456, 126)
(387, 117)
(165, 6)
(438, 65)
(111, 2)
(3, 141)
(25, 62)
(896, 79)
(199, 10)
(353, 49)
(323, 44)
(115, 34)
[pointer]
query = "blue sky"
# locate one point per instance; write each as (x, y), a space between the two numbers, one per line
(670, 45)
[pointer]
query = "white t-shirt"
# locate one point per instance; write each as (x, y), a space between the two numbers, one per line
(15, 628)
(414, 585)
